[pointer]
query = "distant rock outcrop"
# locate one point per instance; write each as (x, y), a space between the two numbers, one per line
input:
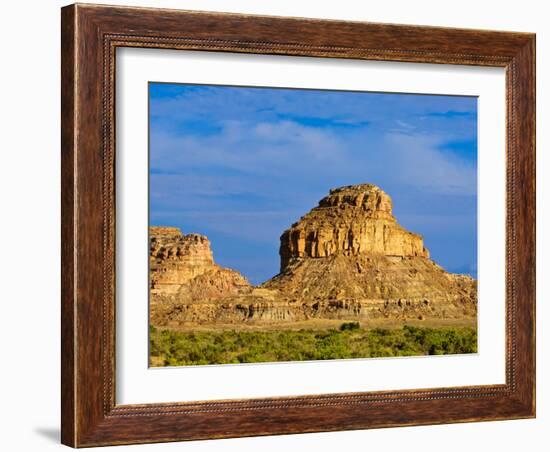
(183, 265)
(347, 258)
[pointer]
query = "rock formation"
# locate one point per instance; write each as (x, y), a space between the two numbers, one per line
(183, 266)
(347, 258)
(350, 221)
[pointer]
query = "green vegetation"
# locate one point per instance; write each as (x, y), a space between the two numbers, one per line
(173, 348)
(350, 326)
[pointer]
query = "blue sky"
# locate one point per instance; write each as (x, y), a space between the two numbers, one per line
(241, 164)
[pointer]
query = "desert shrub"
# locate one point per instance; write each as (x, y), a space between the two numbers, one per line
(349, 326)
(175, 348)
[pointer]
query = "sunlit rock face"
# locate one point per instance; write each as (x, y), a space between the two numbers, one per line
(348, 258)
(351, 220)
(175, 260)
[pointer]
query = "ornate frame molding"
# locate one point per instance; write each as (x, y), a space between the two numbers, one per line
(90, 36)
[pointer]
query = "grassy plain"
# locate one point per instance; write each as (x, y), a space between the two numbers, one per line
(342, 341)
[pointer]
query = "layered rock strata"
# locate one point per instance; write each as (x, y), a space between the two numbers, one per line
(347, 258)
(183, 266)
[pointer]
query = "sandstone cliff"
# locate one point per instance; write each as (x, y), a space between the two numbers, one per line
(350, 221)
(183, 266)
(347, 258)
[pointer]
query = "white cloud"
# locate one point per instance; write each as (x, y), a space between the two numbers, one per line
(251, 147)
(417, 160)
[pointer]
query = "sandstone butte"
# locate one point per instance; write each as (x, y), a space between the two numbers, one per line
(347, 258)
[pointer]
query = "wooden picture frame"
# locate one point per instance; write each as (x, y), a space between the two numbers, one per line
(90, 36)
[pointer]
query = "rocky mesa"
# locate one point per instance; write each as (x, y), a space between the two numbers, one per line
(348, 258)
(351, 221)
(182, 266)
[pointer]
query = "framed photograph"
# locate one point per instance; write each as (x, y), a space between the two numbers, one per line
(281, 225)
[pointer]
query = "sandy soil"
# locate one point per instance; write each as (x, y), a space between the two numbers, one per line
(322, 324)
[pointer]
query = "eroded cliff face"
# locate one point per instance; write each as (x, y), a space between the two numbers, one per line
(347, 258)
(353, 220)
(183, 266)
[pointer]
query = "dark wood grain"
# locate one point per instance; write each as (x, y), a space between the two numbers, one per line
(67, 226)
(90, 36)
